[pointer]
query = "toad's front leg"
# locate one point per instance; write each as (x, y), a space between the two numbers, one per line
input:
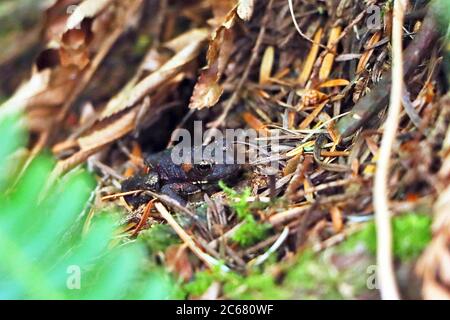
(138, 183)
(179, 190)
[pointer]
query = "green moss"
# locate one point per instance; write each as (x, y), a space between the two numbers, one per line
(310, 278)
(317, 276)
(201, 283)
(256, 285)
(159, 237)
(241, 206)
(412, 233)
(251, 231)
(313, 276)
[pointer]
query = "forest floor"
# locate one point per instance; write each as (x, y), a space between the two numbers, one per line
(350, 200)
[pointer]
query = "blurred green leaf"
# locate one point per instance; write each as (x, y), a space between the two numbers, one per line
(43, 253)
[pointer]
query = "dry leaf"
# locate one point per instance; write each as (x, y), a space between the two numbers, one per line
(212, 293)
(434, 265)
(221, 10)
(74, 49)
(185, 39)
(20, 100)
(327, 64)
(311, 58)
(335, 83)
(133, 93)
(367, 54)
(208, 91)
(167, 71)
(107, 133)
(116, 121)
(61, 66)
(266, 65)
(309, 196)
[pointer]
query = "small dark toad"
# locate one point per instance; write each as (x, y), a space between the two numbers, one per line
(180, 180)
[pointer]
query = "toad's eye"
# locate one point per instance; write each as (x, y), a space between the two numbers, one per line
(204, 167)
